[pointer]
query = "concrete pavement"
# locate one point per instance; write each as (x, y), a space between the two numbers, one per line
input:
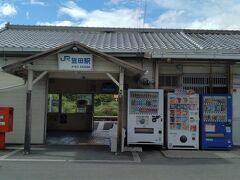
(153, 165)
(199, 154)
(164, 170)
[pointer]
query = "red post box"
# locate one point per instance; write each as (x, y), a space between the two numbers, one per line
(6, 123)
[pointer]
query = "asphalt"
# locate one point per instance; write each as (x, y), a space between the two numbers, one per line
(96, 162)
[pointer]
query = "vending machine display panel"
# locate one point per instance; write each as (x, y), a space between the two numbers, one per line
(183, 121)
(145, 116)
(216, 121)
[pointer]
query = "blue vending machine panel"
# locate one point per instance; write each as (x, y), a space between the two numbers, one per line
(216, 121)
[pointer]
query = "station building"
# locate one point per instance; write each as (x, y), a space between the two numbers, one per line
(33, 66)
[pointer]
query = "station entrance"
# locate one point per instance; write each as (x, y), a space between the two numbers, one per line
(75, 72)
(80, 112)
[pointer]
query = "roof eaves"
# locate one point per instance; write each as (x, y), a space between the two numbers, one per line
(30, 59)
(36, 56)
(199, 54)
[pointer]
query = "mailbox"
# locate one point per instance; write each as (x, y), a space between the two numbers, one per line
(6, 123)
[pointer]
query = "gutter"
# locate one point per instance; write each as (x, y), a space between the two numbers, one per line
(234, 56)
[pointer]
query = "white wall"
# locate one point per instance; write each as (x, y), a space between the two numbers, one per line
(236, 117)
(236, 104)
(16, 98)
(7, 80)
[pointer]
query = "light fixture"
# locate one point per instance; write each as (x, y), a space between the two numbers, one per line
(179, 66)
(75, 49)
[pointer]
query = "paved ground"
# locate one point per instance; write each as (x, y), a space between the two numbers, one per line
(197, 154)
(96, 162)
(99, 136)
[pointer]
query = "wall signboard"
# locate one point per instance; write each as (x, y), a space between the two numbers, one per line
(75, 62)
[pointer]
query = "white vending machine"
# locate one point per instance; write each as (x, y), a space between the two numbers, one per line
(183, 120)
(145, 116)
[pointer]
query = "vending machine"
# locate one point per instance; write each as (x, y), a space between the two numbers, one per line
(216, 121)
(145, 117)
(183, 120)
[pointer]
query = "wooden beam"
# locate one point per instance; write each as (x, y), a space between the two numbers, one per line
(120, 110)
(156, 74)
(39, 77)
(113, 79)
(230, 78)
(27, 139)
(211, 79)
(59, 106)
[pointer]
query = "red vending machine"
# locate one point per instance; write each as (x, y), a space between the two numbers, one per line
(6, 123)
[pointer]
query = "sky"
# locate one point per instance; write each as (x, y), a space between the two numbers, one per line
(190, 14)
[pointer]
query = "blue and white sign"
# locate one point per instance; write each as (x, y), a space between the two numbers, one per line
(75, 62)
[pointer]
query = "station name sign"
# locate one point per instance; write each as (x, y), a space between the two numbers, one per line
(75, 62)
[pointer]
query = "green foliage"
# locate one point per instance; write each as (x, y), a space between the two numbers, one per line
(101, 99)
(105, 105)
(69, 104)
(70, 97)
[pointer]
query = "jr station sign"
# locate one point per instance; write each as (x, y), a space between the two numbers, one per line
(75, 62)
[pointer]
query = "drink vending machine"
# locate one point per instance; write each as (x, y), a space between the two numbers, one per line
(183, 120)
(216, 121)
(145, 116)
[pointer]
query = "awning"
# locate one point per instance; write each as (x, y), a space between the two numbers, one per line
(126, 65)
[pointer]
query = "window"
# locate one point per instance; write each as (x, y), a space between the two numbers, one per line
(205, 83)
(169, 81)
(53, 103)
(72, 103)
(69, 103)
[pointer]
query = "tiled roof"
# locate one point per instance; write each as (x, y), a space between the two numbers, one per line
(215, 39)
(119, 39)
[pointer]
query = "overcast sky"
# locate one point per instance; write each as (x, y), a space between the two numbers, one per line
(197, 14)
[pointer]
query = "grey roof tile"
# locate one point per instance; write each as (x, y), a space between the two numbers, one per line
(119, 39)
(217, 40)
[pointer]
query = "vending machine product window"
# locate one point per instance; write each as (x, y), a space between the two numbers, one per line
(216, 121)
(145, 116)
(183, 121)
(144, 102)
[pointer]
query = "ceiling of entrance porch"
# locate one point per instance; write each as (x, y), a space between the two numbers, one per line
(81, 75)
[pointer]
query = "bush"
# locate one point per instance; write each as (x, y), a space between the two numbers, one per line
(105, 105)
